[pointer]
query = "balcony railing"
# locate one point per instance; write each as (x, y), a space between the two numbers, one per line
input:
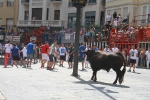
(25, 1)
(56, 1)
(38, 23)
(1, 4)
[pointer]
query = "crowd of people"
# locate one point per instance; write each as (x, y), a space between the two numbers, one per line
(51, 54)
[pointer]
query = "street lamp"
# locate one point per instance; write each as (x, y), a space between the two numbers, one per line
(78, 4)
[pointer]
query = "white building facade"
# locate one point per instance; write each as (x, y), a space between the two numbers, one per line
(58, 13)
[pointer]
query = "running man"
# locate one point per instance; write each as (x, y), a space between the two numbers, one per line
(44, 51)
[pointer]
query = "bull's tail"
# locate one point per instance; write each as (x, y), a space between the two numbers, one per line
(124, 69)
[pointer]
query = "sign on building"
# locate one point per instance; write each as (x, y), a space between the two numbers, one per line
(67, 36)
(8, 38)
(16, 38)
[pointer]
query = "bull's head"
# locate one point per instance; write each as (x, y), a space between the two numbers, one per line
(89, 54)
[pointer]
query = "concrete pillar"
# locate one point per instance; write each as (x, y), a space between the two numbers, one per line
(44, 10)
(30, 10)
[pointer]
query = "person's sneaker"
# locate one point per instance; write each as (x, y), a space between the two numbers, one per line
(60, 65)
(133, 71)
(83, 69)
(129, 70)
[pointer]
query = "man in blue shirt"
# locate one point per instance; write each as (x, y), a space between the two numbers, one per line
(30, 51)
(15, 54)
(81, 54)
(95, 48)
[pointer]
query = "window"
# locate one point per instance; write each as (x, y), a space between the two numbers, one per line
(9, 22)
(134, 11)
(47, 14)
(10, 2)
(90, 18)
(144, 13)
(71, 20)
(36, 13)
(0, 22)
(1, 3)
(57, 15)
(26, 15)
(92, 1)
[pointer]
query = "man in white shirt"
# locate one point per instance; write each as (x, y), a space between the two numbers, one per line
(107, 49)
(62, 53)
(148, 58)
(8, 48)
(24, 52)
(115, 49)
(133, 55)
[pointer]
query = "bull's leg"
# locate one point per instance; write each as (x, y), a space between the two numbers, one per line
(118, 76)
(95, 78)
(92, 76)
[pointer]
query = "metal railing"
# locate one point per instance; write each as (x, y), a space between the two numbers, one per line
(24, 1)
(38, 23)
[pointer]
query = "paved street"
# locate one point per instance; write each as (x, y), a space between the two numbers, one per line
(41, 84)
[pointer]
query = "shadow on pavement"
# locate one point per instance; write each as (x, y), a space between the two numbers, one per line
(101, 89)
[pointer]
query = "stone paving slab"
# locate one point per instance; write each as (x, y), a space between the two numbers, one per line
(41, 84)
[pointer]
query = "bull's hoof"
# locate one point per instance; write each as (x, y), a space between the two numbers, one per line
(120, 82)
(95, 80)
(115, 83)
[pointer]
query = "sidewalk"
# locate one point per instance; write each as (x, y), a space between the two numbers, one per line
(41, 84)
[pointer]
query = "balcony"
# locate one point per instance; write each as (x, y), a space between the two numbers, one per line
(25, 1)
(38, 23)
(56, 1)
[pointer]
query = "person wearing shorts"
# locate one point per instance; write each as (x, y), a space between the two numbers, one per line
(52, 55)
(44, 51)
(70, 58)
(81, 54)
(15, 54)
(24, 57)
(62, 53)
(133, 54)
(30, 52)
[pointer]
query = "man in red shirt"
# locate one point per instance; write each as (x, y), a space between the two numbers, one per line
(44, 51)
